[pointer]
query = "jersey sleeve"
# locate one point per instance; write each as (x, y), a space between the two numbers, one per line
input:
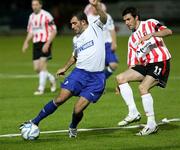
(157, 26)
(50, 21)
(110, 23)
(92, 18)
(98, 23)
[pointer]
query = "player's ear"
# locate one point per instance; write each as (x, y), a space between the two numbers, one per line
(137, 18)
(83, 22)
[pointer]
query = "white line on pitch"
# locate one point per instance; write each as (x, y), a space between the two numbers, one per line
(163, 121)
(29, 76)
(18, 76)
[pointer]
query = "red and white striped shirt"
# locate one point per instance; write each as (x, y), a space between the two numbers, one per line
(41, 25)
(150, 51)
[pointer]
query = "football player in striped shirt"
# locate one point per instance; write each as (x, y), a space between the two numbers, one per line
(42, 30)
(149, 64)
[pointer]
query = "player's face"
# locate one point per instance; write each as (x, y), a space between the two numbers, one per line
(130, 21)
(36, 7)
(76, 25)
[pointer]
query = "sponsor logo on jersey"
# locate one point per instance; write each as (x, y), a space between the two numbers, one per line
(85, 46)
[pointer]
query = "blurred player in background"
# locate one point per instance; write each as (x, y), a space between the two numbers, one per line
(87, 80)
(109, 32)
(149, 64)
(42, 30)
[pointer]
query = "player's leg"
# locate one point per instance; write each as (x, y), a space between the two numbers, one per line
(90, 92)
(127, 94)
(111, 61)
(36, 66)
(147, 102)
(77, 115)
(43, 66)
(40, 66)
(69, 86)
(157, 74)
(42, 76)
(37, 63)
(50, 77)
(51, 106)
(110, 69)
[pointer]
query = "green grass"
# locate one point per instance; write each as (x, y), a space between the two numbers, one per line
(17, 104)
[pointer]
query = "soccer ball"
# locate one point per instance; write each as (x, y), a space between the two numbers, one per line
(29, 131)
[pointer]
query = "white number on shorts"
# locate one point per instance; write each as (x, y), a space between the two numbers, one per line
(157, 70)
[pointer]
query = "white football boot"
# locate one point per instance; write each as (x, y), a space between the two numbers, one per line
(147, 131)
(38, 92)
(129, 119)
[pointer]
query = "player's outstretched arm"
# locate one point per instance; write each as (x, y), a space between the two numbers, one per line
(26, 42)
(101, 13)
(114, 40)
(70, 62)
(161, 33)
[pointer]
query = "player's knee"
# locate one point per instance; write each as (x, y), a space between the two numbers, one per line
(143, 90)
(113, 66)
(62, 98)
(58, 100)
(121, 79)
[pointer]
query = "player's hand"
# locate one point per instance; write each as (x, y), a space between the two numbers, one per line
(145, 38)
(61, 72)
(113, 46)
(25, 47)
(45, 47)
(94, 2)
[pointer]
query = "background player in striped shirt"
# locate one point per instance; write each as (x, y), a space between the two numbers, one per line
(149, 64)
(42, 30)
(109, 33)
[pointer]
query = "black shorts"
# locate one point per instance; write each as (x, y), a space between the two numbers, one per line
(38, 53)
(159, 71)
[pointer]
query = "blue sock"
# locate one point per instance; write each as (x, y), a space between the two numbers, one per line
(76, 118)
(108, 72)
(48, 109)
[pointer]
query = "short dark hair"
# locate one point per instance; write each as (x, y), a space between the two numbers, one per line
(81, 16)
(40, 1)
(131, 10)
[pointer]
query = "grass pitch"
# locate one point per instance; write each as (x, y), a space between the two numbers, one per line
(18, 104)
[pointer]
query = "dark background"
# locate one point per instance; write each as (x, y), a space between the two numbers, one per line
(14, 13)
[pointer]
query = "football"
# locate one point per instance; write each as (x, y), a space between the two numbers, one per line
(29, 131)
